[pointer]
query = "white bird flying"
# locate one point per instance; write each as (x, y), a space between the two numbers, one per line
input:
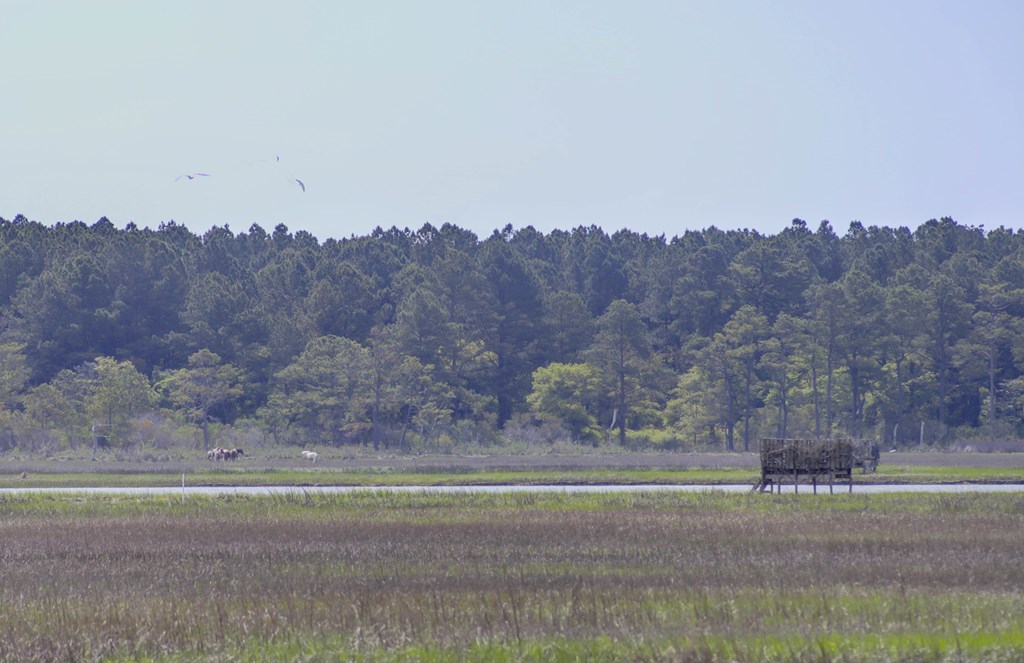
(191, 176)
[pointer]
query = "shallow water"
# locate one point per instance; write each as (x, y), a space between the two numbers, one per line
(448, 490)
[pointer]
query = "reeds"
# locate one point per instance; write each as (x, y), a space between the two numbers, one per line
(387, 576)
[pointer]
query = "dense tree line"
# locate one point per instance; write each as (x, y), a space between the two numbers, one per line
(435, 336)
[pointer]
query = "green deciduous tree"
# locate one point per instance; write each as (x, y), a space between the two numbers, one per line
(325, 392)
(693, 411)
(59, 405)
(14, 375)
(115, 394)
(568, 394)
(201, 386)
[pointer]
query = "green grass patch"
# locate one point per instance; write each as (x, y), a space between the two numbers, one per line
(427, 506)
(926, 474)
(602, 649)
(378, 477)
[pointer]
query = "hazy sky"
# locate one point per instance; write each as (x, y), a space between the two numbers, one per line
(652, 116)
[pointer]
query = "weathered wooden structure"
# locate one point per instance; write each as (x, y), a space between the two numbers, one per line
(812, 461)
(866, 454)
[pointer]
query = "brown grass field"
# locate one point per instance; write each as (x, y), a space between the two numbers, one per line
(379, 576)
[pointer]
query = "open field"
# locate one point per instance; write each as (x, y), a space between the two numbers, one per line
(397, 470)
(384, 576)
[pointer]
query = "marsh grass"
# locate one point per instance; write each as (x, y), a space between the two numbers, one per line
(378, 477)
(373, 477)
(379, 575)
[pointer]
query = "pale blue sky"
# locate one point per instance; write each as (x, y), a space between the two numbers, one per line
(652, 116)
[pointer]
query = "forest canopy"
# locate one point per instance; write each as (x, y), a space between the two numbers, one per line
(417, 339)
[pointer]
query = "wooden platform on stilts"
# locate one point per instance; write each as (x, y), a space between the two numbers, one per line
(812, 461)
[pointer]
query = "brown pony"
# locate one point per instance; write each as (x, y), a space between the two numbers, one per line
(220, 453)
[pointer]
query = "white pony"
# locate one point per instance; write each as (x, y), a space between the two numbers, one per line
(311, 456)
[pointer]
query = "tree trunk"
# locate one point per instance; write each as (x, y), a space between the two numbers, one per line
(817, 399)
(376, 420)
(991, 387)
(828, 392)
(622, 408)
(405, 426)
(855, 399)
(746, 408)
(783, 407)
(730, 423)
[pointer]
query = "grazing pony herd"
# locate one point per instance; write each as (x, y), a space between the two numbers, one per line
(220, 453)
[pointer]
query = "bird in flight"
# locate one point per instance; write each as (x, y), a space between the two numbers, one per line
(191, 176)
(299, 182)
